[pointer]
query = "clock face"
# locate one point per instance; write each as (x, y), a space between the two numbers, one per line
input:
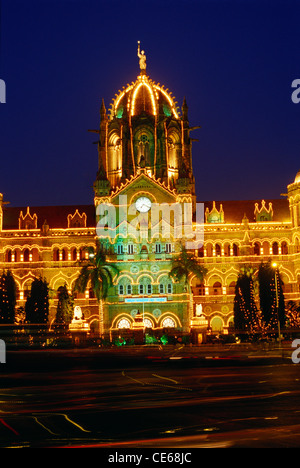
(143, 204)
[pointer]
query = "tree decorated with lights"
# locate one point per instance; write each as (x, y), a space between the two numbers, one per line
(245, 309)
(65, 306)
(8, 291)
(37, 304)
(271, 296)
(293, 314)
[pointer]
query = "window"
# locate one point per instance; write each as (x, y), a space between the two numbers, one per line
(121, 289)
(275, 248)
(157, 248)
(235, 249)
(217, 288)
(148, 323)
(130, 249)
(168, 248)
(149, 288)
(168, 323)
(141, 289)
(129, 289)
(169, 288)
(284, 248)
(161, 289)
(124, 323)
(256, 248)
(120, 249)
(218, 250)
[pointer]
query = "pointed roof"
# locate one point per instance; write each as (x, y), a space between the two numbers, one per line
(144, 95)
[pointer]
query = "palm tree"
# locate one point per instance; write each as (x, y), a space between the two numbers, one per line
(97, 271)
(184, 266)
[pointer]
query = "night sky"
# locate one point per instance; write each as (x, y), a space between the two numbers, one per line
(234, 61)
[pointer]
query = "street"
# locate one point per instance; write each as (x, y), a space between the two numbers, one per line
(156, 398)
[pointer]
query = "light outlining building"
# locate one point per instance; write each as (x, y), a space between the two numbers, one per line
(145, 162)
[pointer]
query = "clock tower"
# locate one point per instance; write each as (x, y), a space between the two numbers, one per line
(144, 180)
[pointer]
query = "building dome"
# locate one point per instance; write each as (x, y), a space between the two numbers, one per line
(144, 96)
(297, 178)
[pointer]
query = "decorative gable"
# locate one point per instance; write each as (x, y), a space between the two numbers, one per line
(77, 220)
(214, 216)
(263, 214)
(27, 221)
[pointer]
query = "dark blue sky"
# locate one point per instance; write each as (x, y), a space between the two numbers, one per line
(233, 60)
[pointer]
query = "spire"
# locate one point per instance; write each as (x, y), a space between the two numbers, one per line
(184, 109)
(103, 110)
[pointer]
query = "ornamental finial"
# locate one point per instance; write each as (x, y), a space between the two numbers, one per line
(142, 57)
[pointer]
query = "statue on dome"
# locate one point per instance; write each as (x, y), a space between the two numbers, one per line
(142, 57)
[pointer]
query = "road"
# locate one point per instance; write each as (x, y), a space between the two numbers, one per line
(96, 398)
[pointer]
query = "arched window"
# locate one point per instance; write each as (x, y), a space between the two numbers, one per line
(201, 251)
(284, 248)
(8, 256)
(74, 254)
(56, 255)
(124, 323)
(235, 249)
(145, 285)
(217, 288)
(26, 255)
(165, 285)
(209, 250)
(216, 324)
(231, 288)
(148, 323)
(275, 248)
(256, 249)
(218, 250)
(227, 249)
(168, 322)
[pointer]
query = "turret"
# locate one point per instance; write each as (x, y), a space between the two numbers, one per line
(294, 200)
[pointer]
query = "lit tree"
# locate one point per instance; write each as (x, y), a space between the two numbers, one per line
(8, 292)
(37, 304)
(245, 309)
(99, 273)
(293, 314)
(65, 306)
(267, 296)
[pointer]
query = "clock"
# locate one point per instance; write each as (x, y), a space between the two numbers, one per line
(143, 204)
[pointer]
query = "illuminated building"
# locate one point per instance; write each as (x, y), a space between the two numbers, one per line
(145, 156)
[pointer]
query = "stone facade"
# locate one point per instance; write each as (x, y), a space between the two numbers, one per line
(145, 156)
